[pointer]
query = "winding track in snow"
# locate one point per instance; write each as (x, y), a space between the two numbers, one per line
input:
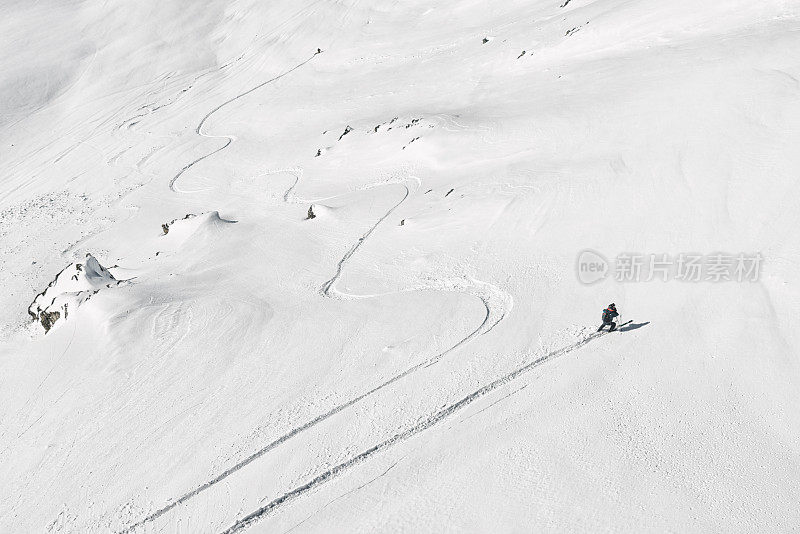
(496, 303)
(491, 319)
(228, 138)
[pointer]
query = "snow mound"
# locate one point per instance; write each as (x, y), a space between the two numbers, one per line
(177, 231)
(73, 286)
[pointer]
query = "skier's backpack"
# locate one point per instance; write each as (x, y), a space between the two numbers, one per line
(606, 316)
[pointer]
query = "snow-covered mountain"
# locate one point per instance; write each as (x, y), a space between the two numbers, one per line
(338, 266)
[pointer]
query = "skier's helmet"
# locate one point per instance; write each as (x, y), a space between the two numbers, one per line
(612, 306)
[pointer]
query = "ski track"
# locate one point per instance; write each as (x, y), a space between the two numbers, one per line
(430, 421)
(149, 109)
(228, 138)
(327, 287)
(481, 290)
(490, 320)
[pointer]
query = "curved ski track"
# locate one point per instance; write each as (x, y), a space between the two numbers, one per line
(496, 303)
(228, 138)
(490, 320)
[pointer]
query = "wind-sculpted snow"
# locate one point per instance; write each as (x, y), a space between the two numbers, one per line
(178, 231)
(80, 281)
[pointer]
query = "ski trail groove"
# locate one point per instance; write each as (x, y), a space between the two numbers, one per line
(430, 421)
(228, 138)
(492, 317)
(327, 287)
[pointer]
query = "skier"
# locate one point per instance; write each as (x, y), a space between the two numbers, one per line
(608, 318)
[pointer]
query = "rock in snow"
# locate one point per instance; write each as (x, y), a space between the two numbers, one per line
(73, 286)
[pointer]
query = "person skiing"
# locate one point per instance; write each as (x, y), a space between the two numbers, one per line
(609, 314)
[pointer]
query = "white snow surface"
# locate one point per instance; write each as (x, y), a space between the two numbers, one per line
(419, 356)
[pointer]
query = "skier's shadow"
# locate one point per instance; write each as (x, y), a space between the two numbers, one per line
(630, 325)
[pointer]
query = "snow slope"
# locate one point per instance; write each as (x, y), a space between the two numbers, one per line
(418, 356)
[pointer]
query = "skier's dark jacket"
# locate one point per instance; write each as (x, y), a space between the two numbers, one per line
(608, 315)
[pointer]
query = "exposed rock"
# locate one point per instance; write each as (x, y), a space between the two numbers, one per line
(48, 319)
(346, 131)
(165, 226)
(73, 286)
